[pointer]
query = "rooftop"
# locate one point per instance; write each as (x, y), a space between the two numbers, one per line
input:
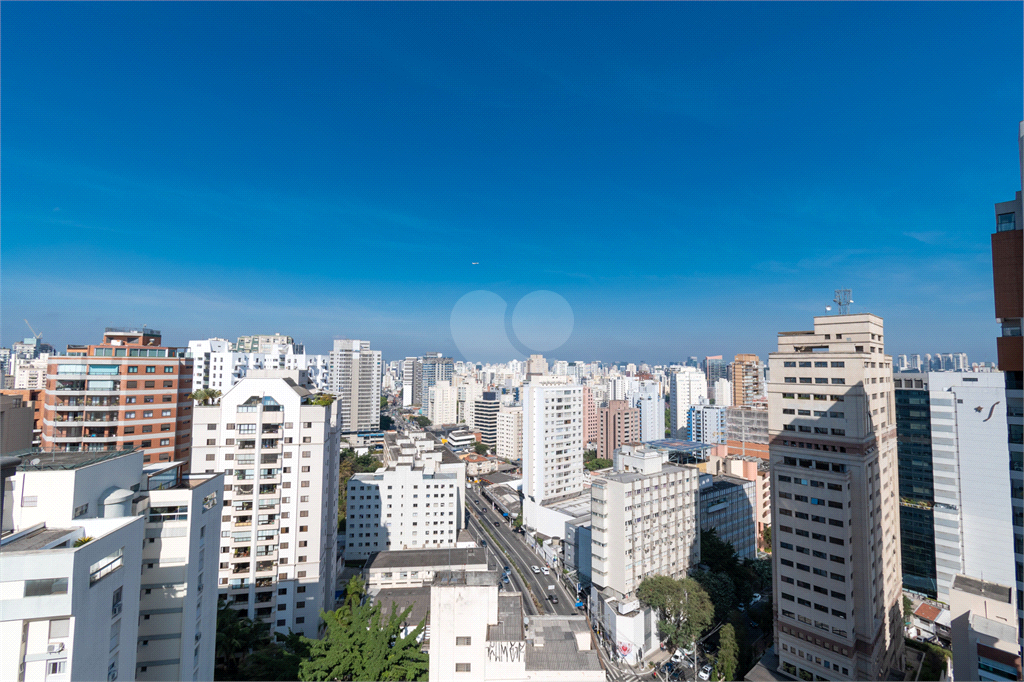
(630, 476)
(470, 578)
(927, 612)
(981, 588)
(39, 459)
(37, 540)
(411, 558)
(495, 477)
(509, 627)
(767, 669)
(724, 482)
(402, 598)
(552, 644)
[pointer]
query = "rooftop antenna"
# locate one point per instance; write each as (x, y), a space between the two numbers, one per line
(843, 300)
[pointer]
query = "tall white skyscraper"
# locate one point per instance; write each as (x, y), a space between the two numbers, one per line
(355, 380)
(442, 402)
(646, 395)
(686, 387)
(408, 381)
(552, 439)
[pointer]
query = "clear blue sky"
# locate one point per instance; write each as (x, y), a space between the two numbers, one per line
(692, 178)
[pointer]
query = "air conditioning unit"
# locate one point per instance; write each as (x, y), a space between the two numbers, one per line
(55, 648)
(115, 610)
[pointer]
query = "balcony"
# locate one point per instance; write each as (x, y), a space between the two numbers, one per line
(264, 582)
(268, 489)
(241, 552)
(264, 566)
(243, 521)
(242, 584)
(264, 597)
(243, 489)
(240, 568)
(243, 506)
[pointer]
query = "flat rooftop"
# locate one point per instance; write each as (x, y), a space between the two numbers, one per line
(471, 578)
(413, 558)
(509, 627)
(37, 540)
(399, 599)
(630, 476)
(677, 445)
(723, 482)
(495, 477)
(38, 459)
(552, 644)
(981, 588)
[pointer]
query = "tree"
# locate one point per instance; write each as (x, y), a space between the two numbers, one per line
(908, 609)
(716, 553)
(763, 570)
(386, 423)
(361, 645)
(589, 455)
(518, 523)
(595, 464)
(237, 638)
(480, 448)
(766, 537)
(721, 590)
(728, 651)
(684, 609)
(204, 395)
(278, 661)
(422, 421)
(383, 402)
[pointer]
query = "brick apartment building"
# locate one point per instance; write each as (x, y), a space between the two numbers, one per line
(128, 391)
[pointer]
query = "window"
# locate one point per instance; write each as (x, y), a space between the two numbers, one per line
(105, 566)
(462, 667)
(168, 369)
(132, 384)
(839, 614)
(463, 641)
(150, 369)
(133, 369)
(1005, 222)
(168, 384)
(57, 667)
(790, 380)
(838, 432)
(838, 381)
(46, 586)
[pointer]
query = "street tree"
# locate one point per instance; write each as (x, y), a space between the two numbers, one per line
(721, 590)
(684, 609)
(728, 652)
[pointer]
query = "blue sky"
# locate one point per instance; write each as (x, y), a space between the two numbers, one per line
(691, 178)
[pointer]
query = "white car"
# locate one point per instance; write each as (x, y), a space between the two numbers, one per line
(678, 656)
(705, 673)
(756, 599)
(546, 571)
(534, 569)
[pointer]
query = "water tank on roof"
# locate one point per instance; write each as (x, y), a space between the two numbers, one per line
(117, 502)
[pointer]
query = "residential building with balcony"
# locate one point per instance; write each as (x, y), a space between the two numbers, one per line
(552, 443)
(747, 379)
(982, 629)
(707, 424)
(835, 507)
(278, 530)
(128, 391)
(687, 386)
(216, 366)
(644, 521)
(620, 424)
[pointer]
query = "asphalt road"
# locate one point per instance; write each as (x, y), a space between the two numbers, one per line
(524, 557)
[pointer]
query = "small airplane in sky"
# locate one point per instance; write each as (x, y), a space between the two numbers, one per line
(476, 264)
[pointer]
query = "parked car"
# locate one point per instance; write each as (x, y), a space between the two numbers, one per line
(508, 570)
(546, 570)
(505, 580)
(756, 599)
(705, 673)
(535, 569)
(483, 543)
(678, 656)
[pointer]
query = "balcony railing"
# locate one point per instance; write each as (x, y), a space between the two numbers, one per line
(264, 582)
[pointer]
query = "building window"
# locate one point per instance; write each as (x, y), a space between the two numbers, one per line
(1005, 222)
(462, 667)
(150, 369)
(463, 641)
(168, 369)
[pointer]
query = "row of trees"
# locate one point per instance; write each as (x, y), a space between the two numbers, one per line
(592, 462)
(359, 644)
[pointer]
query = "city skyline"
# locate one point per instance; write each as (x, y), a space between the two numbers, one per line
(239, 155)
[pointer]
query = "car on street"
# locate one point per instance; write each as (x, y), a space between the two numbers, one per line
(483, 543)
(508, 570)
(755, 600)
(505, 580)
(497, 523)
(535, 569)
(678, 656)
(546, 570)
(741, 608)
(705, 673)
(554, 599)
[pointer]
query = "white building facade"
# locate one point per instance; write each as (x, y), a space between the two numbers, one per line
(510, 433)
(356, 381)
(687, 386)
(552, 439)
(278, 532)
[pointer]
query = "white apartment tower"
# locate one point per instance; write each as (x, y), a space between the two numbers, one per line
(835, 502)
(687, 386)
(416, 502)
(552, 439)
(278, 531)
(442, 403)
(355, 380)
(510, 433)
(645, 521)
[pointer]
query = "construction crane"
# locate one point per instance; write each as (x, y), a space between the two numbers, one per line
(37, 336)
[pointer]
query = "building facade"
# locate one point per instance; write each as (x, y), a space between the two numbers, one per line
(746, 379)
(1008, 286)
(485, 418)
(728, 504)
(509, 438)
(836, 563)
(552, 440)
(620, 424)
(278, 531)
(687, 387)
(128, 391)
(356, 380)
(707, 424)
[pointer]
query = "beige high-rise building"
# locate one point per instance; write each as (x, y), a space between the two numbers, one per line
(620, 424)
(355, 378)
(509, 422)
(746, 379)
(536, 366)
(835, 516)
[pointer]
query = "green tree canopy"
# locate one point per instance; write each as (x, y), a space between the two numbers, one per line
(595, 464)
(720, 556)
(721, 590)
(386, 423)
(589, 455)
(205, 395)
(422, 421)
(480, 448)
(766, 535)
(237, 638)
(728, 652)
(362, 645)
(684, 609)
